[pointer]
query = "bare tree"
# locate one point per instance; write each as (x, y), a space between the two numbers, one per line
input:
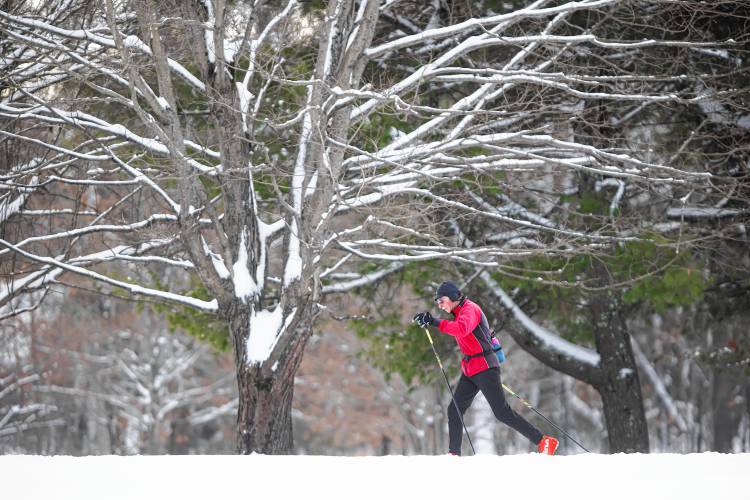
(19, 412)
(147, 384)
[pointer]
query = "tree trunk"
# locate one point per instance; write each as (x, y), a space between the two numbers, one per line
(618, 382)
(266, 389)
(727, 410)
(728, 385)
(264, 418)
(624, 415)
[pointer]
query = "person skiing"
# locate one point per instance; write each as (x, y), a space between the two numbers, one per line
(480, 368)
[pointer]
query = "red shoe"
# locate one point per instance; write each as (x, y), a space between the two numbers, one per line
(548, 445)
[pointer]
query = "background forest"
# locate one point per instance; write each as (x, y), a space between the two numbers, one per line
(217, 219)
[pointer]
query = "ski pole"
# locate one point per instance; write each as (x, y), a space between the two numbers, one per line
(545, 418)
(453, 398)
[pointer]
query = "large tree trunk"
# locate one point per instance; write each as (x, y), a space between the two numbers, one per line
(264, 417)
(618, 382)
(266, 389)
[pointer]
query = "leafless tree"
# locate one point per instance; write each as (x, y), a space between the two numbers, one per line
(19, 412)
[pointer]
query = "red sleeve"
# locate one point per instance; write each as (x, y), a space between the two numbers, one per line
(465, 323)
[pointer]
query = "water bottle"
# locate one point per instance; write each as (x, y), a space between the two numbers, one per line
(498, 349)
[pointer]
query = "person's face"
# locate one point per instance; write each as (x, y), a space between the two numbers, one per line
(446, 304)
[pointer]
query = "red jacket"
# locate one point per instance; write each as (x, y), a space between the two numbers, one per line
(471, 330)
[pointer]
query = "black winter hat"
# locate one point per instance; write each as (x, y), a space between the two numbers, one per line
(448, 289)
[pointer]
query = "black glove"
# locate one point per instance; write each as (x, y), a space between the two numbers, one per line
(425, 319)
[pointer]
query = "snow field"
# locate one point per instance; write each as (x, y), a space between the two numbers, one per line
(706, 476)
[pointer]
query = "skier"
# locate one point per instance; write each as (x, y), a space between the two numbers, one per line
(480, 367)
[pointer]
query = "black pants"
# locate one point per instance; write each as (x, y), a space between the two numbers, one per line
(488, 382)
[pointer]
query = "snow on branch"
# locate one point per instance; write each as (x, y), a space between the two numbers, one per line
(109, 228)
(130, 41)
(657, 383)
(415, 253)
(530, 11)
(704, 213)
(548, 340)
(356, 282)
(88, 121)
(209, 306)
(620, 185)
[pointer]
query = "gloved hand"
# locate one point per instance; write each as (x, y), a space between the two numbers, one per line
(425, 319)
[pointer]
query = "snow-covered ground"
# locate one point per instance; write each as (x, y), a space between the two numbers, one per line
(706, 476)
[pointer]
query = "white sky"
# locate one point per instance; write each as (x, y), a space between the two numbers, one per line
(703, 476)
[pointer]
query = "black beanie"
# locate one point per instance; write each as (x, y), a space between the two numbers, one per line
(448, 289)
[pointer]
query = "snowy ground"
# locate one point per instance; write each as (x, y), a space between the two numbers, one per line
(707, 476)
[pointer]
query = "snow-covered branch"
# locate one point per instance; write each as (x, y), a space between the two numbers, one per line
(657, 382)
(209, 306)
(549, 341)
